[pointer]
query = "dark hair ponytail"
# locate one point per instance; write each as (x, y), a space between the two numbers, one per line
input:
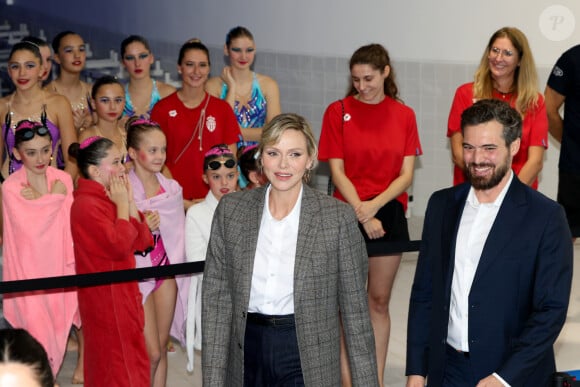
(90, 152)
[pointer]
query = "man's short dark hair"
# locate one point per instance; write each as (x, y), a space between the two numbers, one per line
(487, 110)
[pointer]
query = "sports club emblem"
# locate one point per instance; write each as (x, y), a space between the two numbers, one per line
(210, 123)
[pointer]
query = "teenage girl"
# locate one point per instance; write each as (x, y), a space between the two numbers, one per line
(141, 92)
(254, 97)
(108, 101)
(70, 54)
(30, 101)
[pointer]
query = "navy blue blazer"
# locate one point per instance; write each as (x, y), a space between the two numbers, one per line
(519, 296)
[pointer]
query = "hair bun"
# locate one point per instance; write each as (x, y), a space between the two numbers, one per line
(194, 40)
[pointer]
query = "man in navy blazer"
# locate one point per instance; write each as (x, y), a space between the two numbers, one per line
(493, 278)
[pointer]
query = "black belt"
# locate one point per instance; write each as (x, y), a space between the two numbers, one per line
(465, 354)
(271, 320)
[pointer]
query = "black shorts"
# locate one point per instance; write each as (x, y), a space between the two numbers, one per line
(392, 217)
(569, 198)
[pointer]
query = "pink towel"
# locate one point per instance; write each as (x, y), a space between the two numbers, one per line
(169, 204)
(38, 243)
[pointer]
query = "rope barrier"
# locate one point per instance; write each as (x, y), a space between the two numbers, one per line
(108, 277)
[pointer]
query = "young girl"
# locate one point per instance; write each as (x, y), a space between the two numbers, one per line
(220, 174)
(107, 229)
(251, 173)
(161, 200)
(108, 101)
(37, 241)
(69, 52)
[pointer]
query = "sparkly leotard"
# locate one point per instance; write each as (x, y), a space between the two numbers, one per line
(83, 101)
(8, 134)
(123, 148)
(252, 114)
(129, 110)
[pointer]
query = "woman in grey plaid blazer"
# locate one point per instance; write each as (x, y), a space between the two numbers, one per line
(251, 324)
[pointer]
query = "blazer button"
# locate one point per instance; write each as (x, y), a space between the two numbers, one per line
(240, 345)
(244, 314)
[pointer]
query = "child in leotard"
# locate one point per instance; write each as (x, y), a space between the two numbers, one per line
(161, 200)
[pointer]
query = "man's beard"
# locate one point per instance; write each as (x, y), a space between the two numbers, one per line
(485, 182)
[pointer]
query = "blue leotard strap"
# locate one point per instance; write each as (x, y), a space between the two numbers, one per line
(129, 110)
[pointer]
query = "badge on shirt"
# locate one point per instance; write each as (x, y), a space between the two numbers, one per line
(210, 123)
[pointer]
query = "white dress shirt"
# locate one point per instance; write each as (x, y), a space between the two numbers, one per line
(272, 290)
(476, 222)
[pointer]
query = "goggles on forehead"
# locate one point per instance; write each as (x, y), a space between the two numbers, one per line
(216, 164)
(27, 129)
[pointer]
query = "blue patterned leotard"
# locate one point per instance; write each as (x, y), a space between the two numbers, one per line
(252, 114)
(129, 110)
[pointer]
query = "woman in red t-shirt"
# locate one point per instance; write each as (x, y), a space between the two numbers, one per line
(370, 141)
(506, 72)
(193, 121)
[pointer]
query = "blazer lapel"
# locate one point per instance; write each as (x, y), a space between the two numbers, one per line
(251, 215)
(512, 209)
(450, 227)
(308, 227)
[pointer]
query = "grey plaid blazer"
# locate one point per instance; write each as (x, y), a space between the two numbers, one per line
(330, 274)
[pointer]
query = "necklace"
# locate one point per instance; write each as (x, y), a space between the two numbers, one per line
(197, 131)
(504, 95)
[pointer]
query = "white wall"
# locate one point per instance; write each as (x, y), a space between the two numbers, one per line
(444, 30)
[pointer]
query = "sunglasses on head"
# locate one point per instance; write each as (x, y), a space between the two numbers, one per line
(215, 164)
(29, 132)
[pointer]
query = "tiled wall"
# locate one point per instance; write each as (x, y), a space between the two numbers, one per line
(309, 83)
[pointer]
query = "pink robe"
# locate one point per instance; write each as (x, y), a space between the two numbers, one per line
(38, 243)
(169, 204)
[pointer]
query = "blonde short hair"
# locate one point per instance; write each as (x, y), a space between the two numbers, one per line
(274, 129)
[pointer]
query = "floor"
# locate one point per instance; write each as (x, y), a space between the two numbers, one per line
(567, 346)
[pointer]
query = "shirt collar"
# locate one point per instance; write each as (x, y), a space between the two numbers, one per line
(292, 214)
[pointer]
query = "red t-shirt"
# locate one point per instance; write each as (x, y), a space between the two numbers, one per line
(534, 128)
(372, 141)
(179, 124)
